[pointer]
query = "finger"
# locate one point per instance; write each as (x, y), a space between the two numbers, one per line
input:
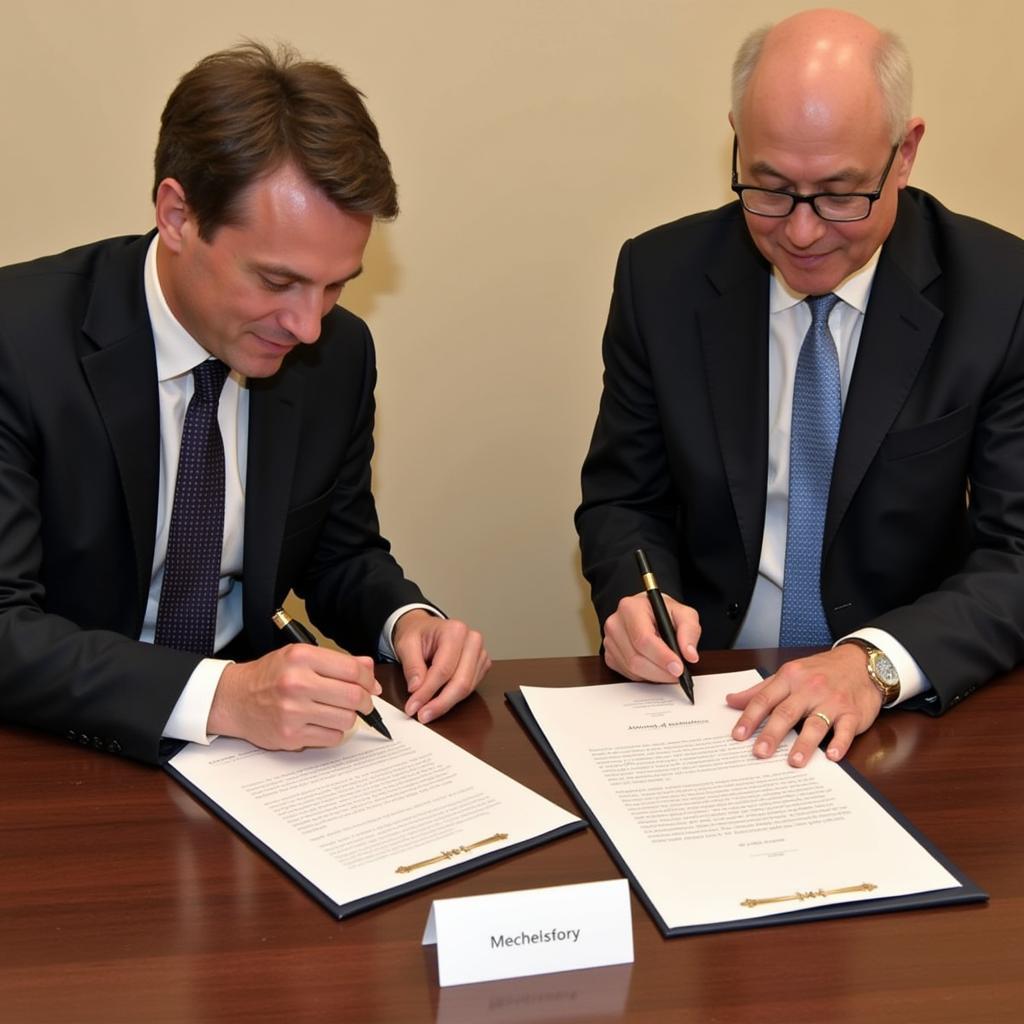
(616, 642)
(483, 666)
(344, 697)
(687, 624)
(624, 658)
(292, 689)
(613, 660)
(620, 657)
(807, 689)
(814, 730)
(614, 656)
(368, 680)
(787, 697)
(312, 736)
(650, 648)
(645, 670)
(741, 698)
(461, 683)
(842, 737)
(631, 627)
(784, 717)
(445, 660)
(294, 732)
(642, 639)
(334, 719)
(409, 650)
(297, 695)
(757, 703)
(333, 665)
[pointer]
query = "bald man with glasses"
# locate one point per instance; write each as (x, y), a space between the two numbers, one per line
(813, 411)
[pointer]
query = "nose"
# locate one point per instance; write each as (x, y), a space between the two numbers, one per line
(804, 227)
(303, 318)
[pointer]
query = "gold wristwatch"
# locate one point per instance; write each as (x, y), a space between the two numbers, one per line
(881, 671)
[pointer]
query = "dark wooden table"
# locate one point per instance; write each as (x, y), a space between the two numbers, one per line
(121, 899)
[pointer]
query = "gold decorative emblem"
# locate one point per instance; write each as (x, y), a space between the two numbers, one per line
(404, 869)
(812, 895)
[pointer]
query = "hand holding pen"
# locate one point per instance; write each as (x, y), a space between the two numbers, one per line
(298, 634)
(662, 619)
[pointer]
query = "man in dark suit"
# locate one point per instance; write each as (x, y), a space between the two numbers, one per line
(813, 410)
(269, 173)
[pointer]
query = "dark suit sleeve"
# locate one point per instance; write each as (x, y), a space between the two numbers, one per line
(628, 497)
(970, 627)
(352, 583)
(95, 686)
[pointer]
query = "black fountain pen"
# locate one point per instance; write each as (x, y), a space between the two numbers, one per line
(662, 618)
(298, 634)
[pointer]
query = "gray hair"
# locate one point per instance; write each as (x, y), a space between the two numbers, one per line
(891, 65)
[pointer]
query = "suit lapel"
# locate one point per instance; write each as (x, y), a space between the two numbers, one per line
(734, 341)
(274, 406)
(121, 371)
(899, 328)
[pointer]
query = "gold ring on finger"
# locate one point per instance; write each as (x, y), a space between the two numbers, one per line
(824, 718)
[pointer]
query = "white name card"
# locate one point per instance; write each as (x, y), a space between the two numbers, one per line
(534, 931)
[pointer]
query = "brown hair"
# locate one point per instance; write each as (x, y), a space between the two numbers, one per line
(242, 113)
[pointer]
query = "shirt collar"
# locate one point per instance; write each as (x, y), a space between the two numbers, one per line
(854, 290)
(177, 352)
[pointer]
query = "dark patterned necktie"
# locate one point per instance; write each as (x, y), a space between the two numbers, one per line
(187, 614)
(814, 433)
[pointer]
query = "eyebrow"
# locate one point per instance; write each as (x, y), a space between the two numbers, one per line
(846, 174)
(275, 270)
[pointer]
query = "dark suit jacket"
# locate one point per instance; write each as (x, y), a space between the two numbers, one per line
(79, 447)
(678, 461)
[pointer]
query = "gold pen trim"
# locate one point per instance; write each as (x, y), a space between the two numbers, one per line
(650, 583)
(404, 869)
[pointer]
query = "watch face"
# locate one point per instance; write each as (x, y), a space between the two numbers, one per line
(886, 670)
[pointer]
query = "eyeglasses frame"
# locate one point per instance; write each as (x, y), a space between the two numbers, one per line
(797, 197)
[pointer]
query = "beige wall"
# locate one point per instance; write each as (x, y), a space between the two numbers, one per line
(529, 139)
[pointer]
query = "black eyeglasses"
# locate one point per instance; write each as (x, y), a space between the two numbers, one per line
(838, 206)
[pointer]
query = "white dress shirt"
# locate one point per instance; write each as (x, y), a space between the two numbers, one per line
(177, 352)
(788, 321)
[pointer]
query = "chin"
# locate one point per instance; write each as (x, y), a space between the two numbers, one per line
(265, 368)
(813, 282)
(259, 366)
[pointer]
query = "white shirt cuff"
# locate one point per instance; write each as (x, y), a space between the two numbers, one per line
(191, 713)
(912, 680)
(385, 648)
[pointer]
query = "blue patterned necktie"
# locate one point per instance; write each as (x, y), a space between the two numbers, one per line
(186, 617)
(814, 432)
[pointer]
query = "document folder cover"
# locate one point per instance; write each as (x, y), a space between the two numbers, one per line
(373, 819)
(347, 908)
(966, 892)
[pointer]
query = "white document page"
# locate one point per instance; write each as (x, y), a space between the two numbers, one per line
(371, 814)
(711, 833)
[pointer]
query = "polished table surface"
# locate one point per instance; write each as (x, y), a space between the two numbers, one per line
(124, 900)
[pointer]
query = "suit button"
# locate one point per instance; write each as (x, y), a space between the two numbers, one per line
(83, 739)
(733, 611)
(114, 747)
(72, 735)
(97, 743)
